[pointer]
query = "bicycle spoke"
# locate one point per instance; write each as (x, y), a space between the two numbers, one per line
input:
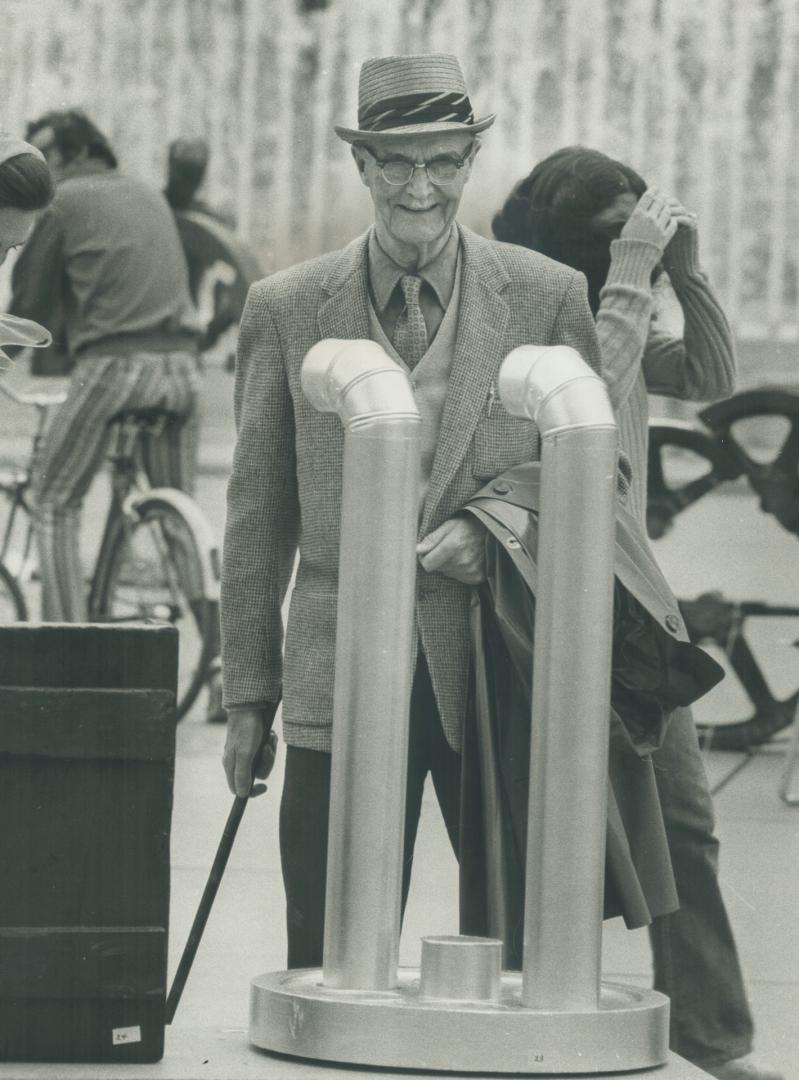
(152, 573)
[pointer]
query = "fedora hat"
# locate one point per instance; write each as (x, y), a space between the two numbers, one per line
(412, 95)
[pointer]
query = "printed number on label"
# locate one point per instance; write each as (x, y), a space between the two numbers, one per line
(126, 1035)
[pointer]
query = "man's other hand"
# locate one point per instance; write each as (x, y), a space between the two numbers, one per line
(248, 753)
(456, 549)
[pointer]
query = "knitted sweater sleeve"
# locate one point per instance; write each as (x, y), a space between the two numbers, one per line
(699, 366)
(625, 314)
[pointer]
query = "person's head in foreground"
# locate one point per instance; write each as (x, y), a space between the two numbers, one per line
(414, 146)
(26, 187)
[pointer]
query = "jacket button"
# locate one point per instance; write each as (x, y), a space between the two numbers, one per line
(501, 488)
(512, 542)
(673, 623)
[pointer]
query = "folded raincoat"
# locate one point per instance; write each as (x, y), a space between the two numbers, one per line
(655, 669)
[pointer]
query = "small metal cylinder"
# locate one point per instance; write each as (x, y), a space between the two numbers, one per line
(374, 661)
(461, 968)
(571, 687)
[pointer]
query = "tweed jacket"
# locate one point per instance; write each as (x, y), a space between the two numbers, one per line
(285, 488)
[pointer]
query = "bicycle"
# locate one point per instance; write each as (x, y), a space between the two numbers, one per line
(158, 558)
(720, 455)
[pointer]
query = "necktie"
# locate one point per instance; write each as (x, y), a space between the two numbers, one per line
(410, 332)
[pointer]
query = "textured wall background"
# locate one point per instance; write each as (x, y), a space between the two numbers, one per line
(699, 97)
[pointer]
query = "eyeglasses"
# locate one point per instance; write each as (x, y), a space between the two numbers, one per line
(440, 170)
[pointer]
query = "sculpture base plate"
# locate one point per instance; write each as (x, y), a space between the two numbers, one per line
(291, 1012)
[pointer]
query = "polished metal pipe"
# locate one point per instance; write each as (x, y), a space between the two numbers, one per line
(374, 656)
(571, 685)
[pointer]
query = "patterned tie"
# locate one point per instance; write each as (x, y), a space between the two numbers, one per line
(410, 333)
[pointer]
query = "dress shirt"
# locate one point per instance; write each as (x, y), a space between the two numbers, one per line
(438, 277)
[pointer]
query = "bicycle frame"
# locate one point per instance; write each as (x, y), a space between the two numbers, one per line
(15, 485)
(131, 494)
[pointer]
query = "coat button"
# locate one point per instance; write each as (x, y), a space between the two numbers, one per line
(673, 623)
(501, 488)
(512, 542)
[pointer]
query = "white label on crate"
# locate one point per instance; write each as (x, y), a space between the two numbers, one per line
(126, 1035)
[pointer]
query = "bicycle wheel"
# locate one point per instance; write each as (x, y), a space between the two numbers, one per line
(744, 639)
(12, 602)
(151, 568)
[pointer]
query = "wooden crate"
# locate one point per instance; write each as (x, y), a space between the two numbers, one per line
(87, 750)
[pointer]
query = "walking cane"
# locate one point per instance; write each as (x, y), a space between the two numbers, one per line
(210, 891)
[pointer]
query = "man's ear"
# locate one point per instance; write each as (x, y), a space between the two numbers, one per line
(360, 160)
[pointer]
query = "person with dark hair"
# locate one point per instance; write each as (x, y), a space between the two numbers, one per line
(187, 163)
(598, 216)
(26, 182)
(105, 255)
(26, 188)
(221, 266)
(72, 135)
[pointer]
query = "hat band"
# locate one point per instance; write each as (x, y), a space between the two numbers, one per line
(410, 109)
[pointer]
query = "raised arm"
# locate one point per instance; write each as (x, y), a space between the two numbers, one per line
(700, 365)
(625, 309)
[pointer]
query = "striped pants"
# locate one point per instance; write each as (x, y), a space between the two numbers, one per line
(74, 448)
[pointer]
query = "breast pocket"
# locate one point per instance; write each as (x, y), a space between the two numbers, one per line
(502, 441)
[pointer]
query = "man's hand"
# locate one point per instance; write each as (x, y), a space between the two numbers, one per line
(456, 549)
(247, 753)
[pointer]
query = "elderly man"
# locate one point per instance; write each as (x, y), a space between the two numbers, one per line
(448, 306)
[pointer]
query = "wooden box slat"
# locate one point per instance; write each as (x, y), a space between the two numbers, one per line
(81, 961)
(87, 722)
(87, 745)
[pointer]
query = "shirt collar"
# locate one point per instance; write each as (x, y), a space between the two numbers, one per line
(439, 273)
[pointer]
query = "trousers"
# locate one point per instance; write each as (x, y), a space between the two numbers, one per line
(74, 447)
(695, 960)
(694, 954)
(304, 815)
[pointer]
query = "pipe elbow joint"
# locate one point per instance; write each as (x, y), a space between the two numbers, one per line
(553, 386)
(358, 381)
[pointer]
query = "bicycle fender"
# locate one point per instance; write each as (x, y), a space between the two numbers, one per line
(137, 503)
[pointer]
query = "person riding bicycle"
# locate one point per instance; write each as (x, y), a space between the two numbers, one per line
(597, 215)
(107, 257)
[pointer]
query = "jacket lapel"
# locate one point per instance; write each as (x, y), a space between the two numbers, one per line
(482, 319)
(345, 313)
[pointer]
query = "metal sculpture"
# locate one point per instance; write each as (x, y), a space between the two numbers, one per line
(458, 1012)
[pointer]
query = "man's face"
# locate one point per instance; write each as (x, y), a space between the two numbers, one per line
(418, 212)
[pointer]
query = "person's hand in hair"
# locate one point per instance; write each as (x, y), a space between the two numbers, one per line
(682, 252)
(653, 219)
